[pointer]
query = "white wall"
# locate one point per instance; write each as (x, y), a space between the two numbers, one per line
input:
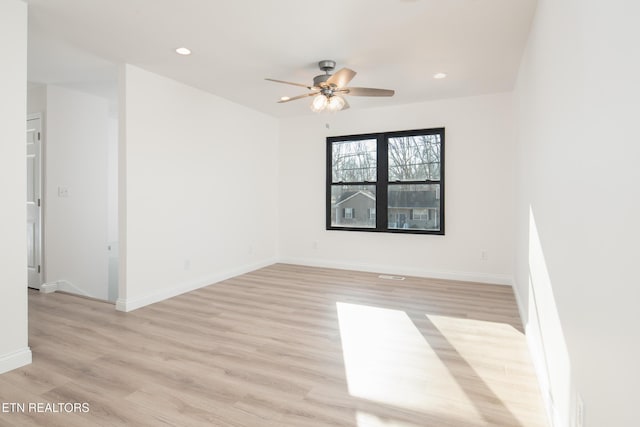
(198, 188)
(14, 350)
(36, 98)
(76, 153)
(112, 179)
(112, 203)
(478, 189)
(578, 208)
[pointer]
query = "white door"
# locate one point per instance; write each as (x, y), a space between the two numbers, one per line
(34, 198)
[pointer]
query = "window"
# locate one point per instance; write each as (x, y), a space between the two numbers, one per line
(395, 180)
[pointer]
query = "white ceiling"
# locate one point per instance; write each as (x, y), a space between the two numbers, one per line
(392, 44)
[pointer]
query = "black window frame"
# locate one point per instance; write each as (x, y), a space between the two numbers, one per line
(382, 180)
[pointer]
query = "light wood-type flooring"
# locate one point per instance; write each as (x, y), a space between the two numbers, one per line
(283, 346)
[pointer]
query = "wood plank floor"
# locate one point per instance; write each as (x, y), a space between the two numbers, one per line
(284, 346)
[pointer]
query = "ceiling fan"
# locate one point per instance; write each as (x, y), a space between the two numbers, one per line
(329, 89)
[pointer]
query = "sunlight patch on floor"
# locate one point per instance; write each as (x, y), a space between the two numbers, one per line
(365, 419)
(467, 335)
(388, 360)
(484, 352)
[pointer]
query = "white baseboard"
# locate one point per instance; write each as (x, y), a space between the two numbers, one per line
(14, 360)
(127, 305)
(64, 286)
(494, 279)
(130, 304)
(49, 288)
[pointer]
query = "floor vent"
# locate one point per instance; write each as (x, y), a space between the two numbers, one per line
(388, 277)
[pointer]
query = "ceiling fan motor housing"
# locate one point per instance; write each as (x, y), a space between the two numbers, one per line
(327, 66)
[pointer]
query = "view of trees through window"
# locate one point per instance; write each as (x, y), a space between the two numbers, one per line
(414, 158)
(354, 161)
(386, 182)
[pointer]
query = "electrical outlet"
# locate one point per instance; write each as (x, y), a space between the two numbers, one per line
(63, 191)
(484, 255)
(579, 411)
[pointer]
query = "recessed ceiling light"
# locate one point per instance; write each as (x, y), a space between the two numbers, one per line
(439, 75)
(285, 98)
(183, 51)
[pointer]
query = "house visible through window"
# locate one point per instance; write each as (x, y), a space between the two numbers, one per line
(391, 181)
(419, 214)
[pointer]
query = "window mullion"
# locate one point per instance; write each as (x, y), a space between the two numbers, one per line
(382, 183)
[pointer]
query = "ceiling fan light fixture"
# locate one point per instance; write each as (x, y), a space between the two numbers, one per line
(336, 103)
(319, 103)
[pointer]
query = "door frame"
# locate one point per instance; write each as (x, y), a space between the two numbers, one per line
(40, 228)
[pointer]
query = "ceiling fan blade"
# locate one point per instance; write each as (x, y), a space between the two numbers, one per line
(346, 105)
(290, 83)
(367, 91)
(287, 99)
(341, 78)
